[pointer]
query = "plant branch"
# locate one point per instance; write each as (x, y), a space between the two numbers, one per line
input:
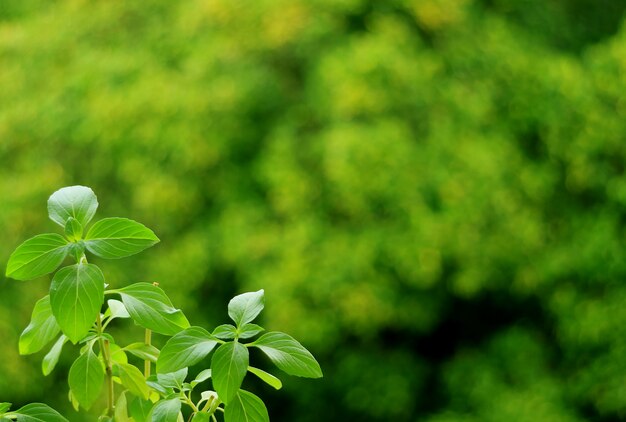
(146, 364)
(106, 355)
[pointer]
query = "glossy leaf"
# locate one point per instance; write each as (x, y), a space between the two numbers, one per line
(143, 351)
(150, 307)
(166, 411)
(51, 359)
(245, 307)
(246, 407)
(76, 296)
(250, 330)
(86, 378)
(185, 349)
(39, 255)
(73, 229)
(113, 238)
(38, 412)
(73, 201)
(266, 377)
(4, 407)
(225, 331)
(228, 369)
(42, 329)
(173, 379)
(289, 355)
(133, 379)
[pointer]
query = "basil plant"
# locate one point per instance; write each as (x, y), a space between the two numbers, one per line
(80, 306)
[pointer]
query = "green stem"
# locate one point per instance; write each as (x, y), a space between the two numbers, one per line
(146, 364)
(106, 355)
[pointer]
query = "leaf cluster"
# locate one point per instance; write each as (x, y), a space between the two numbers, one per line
(75, 310)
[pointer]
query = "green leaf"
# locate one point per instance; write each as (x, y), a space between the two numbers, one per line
(52, 357)
(173, 379)
(143, 351)
(76, 296)
(225, 331)
(139, 409)
(74, 201)
(133, 379)
(76, 250)
(229, 366)
(117, 309)
(245, 307)
(246, 407)
(266, 377)
(250, 330)
(150, 307)
(86, 378)
(73, 229)
(201, 417)
(113, 238)
(185, 349)
(201, 377)
(39, 255)
(38, 412)
(41, 330)
(4, 407)
(166, 411)
(121, 409)
(117, 353)
(289, 355)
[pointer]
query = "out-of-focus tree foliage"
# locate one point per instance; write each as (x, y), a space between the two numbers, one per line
(432, 192)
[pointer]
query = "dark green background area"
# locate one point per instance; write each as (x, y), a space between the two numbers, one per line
(431, 192)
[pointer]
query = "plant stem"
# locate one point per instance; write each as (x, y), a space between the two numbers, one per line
(106, 354)
(146, 364)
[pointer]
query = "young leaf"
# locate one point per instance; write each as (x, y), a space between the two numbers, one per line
(185, 349)
(143, 351)
(246, 407)
(139, 409)
(38, 412)
(201, 377)
(113, 238)
(121, 409)
(117, 353)
(74, 201)
(228, 368)
(39, 255)
(52, 357)
(268, 378)
(117, 309)
(289, 355)
(166, 411)
(250, 330)
(73, 229)
(201, 417)
(225, 331)
(245, 307)
(133, 379)
(41, 330)
(86, 378)
(150, 307)
(4, 406)
(76, 295)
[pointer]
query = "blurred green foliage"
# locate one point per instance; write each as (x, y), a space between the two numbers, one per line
(431, 192)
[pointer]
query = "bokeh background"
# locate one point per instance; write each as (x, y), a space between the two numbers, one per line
(431, 192)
